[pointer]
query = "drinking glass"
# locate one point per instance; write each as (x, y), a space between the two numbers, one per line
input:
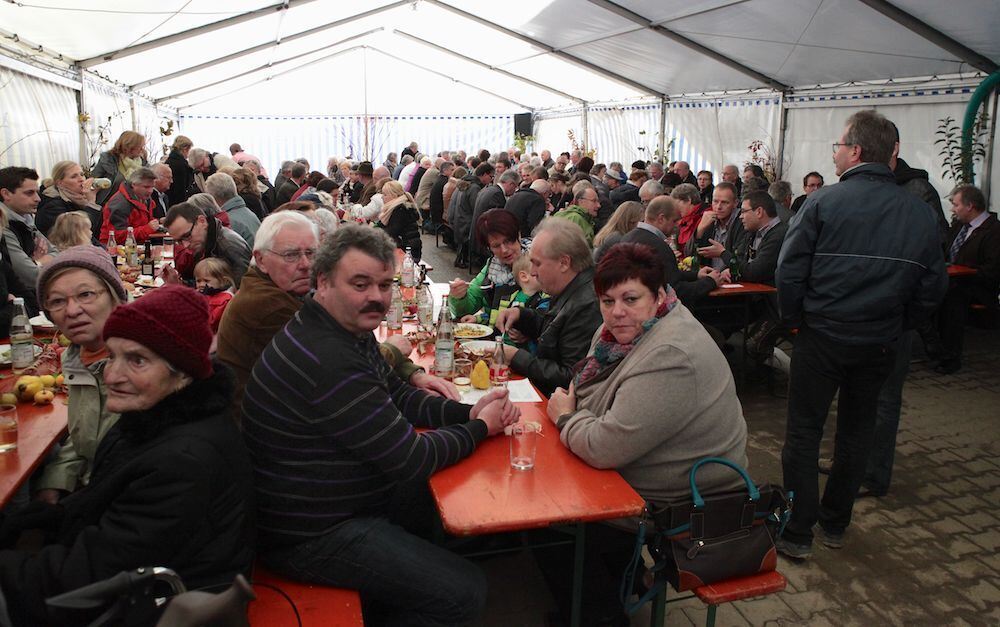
(523, 445)
(8, 428)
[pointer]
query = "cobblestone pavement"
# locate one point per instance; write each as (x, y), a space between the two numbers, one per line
(926, 554)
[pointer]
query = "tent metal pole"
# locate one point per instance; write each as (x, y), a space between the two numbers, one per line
(193, 32)
(131, 104)
(450, 78)
(689, 43)
(264, 46)
(80, 109)
(663, 131)
(931, 34)
(779, 171)
(487, 66)
(586, 128)
(565, 56)
(264, 67)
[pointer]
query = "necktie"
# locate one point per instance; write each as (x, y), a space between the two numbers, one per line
(957, 244)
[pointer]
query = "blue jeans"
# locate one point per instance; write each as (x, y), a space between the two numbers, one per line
(820, 368)
(890, 400)
(402, 578)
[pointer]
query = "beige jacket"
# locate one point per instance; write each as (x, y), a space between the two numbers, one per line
(669, 403)
(89, 421)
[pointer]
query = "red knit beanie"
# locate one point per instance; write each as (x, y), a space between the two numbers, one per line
(172, 321)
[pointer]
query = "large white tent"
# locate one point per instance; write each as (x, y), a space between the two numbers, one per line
(700, 80)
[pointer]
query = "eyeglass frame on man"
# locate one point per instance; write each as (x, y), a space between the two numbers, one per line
(184, 239)
(837, 145)
(54, 305)
(287, 256)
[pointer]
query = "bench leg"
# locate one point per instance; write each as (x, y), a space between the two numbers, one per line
(658, 610)
(578, 551)
(710, 619)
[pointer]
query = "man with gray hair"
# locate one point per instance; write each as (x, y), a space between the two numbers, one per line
(284, 175)
(131, 206)
(561, 261)
(322, 381)
(164, 178)
(583, 211)
(851, 289)
(222, 188)
(202, 162)
(528, 204)
(292, 185)
(650, 190)
(781, 192)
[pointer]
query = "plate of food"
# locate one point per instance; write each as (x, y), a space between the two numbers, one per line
(479, 345)
(5, 353)
(41, 322)
(471, 331)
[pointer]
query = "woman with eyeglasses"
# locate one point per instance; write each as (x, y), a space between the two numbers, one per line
(77, 291)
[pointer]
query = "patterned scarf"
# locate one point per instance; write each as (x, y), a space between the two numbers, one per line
(608, 352)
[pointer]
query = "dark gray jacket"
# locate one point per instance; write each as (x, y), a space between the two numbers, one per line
(490, 197)
(761, 268)
(861, 260)
(462, 206)
(529, 207)
(563, 334)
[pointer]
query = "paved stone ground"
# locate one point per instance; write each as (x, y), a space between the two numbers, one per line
(926, 554)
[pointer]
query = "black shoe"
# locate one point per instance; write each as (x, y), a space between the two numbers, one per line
(830, 539)
(865, 493)
(948, 366)
(793, 550)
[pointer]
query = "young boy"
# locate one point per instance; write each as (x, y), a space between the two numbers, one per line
(530, 295)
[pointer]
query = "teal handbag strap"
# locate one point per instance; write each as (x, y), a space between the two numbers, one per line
(699, 502)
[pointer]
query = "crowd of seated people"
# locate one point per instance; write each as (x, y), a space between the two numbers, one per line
(261, 340)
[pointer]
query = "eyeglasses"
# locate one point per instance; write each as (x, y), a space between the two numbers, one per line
(86, 297)
(187, 236)
(291, 256)
(837, 145)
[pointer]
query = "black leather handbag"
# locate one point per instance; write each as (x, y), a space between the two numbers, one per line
(712, 537)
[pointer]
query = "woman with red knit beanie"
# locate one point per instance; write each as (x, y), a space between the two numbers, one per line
(171, 484)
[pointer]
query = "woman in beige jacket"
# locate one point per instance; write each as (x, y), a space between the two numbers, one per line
(653, 396)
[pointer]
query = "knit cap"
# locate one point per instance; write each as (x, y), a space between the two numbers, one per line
(87, 257)
(172, 321)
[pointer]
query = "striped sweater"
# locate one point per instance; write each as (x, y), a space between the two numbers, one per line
(330, 429)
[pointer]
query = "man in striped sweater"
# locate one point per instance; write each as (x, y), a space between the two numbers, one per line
(337, 461)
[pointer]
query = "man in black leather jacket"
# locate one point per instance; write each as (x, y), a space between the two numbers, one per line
(562, 263)
(852, 281)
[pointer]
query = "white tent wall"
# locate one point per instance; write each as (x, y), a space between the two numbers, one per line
(278, 138)
(623, 133)
(149, 119)
(708, 134)
(551, 130)
(814, 125)
(38, 122)
(109, 113)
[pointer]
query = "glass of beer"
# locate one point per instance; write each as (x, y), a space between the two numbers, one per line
(8, 428)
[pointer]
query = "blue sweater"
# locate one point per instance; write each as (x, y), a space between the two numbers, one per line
(330, 429)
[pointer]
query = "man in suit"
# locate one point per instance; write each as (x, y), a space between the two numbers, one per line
(661, 218)
(296, 176)
(164, 178)
(683, 171)
(974, 241)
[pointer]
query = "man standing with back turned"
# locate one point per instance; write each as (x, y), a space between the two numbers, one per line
(852, 281)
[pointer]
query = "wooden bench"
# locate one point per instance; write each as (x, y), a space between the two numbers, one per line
(714, 595)
(318, 606)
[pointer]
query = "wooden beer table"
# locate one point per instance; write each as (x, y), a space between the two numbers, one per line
(483, 495)
(39, 427)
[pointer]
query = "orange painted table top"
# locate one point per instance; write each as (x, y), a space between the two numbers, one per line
(954, 270)
(743, 290)
(38, 429)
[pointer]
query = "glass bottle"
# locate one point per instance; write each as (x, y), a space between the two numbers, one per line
(499, 368)
(444, 346)
(22, 340)
(131, 251)
(147, 259)
(112, 247)
(425, 306)
(394, 317)
(406, 274)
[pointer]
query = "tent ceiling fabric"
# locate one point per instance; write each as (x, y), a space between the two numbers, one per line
(594, 51)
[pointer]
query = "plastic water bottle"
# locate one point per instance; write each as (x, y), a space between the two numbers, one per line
(112, 247)
(499, 368)
(22, 340)
(406, 274)
(425, 306)
(444, 346)
(394, 317)
(131, 250)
